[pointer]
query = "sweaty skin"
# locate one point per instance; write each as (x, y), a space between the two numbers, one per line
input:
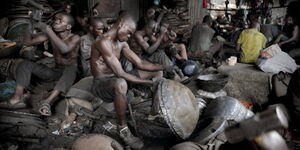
(65, 49)
(106, 53)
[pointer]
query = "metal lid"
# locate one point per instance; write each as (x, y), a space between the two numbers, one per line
(178, 107)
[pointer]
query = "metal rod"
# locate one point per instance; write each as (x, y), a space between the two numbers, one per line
(132, 118)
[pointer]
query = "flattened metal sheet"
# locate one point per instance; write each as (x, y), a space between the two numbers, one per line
(178, 107)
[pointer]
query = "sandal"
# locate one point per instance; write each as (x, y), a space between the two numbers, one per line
(151, 117)
(45, 109)
(8, 105)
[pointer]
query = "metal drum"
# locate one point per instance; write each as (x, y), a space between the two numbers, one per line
(96, 142)
(178, 107)
(16, 29)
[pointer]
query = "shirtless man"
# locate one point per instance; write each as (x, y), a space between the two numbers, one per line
(146, 36)
(150, 44)
(96, 29)
(110, 78)
(65, 50)
(176, 50)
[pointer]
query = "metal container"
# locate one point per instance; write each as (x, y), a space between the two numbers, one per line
(227, 108)
(212, 82)
(16, 29)
(178, 107)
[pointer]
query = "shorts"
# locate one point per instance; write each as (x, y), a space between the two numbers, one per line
(103, 88)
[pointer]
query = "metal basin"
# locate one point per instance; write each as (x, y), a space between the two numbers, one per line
(212, 82)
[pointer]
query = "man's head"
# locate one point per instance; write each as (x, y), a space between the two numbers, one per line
(150, 14)
(150, 28)
(62, 22)
(96, 26)
(255, 25)
(289, 20)
(207, 20)
(126, 27)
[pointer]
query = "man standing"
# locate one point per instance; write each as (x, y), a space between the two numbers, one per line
(96, 28)
(250, 42)
(65, 50)
(110, 78)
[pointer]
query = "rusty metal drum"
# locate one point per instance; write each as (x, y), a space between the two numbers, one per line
(96, 142)
(178, 107)
(16, 29)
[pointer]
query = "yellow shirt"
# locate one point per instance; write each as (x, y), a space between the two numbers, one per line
(252, 41)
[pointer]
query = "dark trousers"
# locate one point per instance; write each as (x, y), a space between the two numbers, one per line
(65, 75)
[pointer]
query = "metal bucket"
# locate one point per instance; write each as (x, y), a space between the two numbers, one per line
(96, 142)
(212, 82)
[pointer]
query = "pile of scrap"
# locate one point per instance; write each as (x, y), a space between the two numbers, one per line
(179, 19)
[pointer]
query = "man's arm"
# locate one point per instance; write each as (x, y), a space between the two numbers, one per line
(150, 49)
(28, 40)
(182, 52)
(293, 38)
(60, 44)
(161, 15)
(143, 65)
(104, 47)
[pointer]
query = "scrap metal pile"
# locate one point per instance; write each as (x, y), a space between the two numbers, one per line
(178, 17)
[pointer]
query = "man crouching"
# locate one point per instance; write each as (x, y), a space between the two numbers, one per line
(110, 78)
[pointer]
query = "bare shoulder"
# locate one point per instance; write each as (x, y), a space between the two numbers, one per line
(124, 45)
(75, 37)
(102, 43)
(102, 40)
(180, 44)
